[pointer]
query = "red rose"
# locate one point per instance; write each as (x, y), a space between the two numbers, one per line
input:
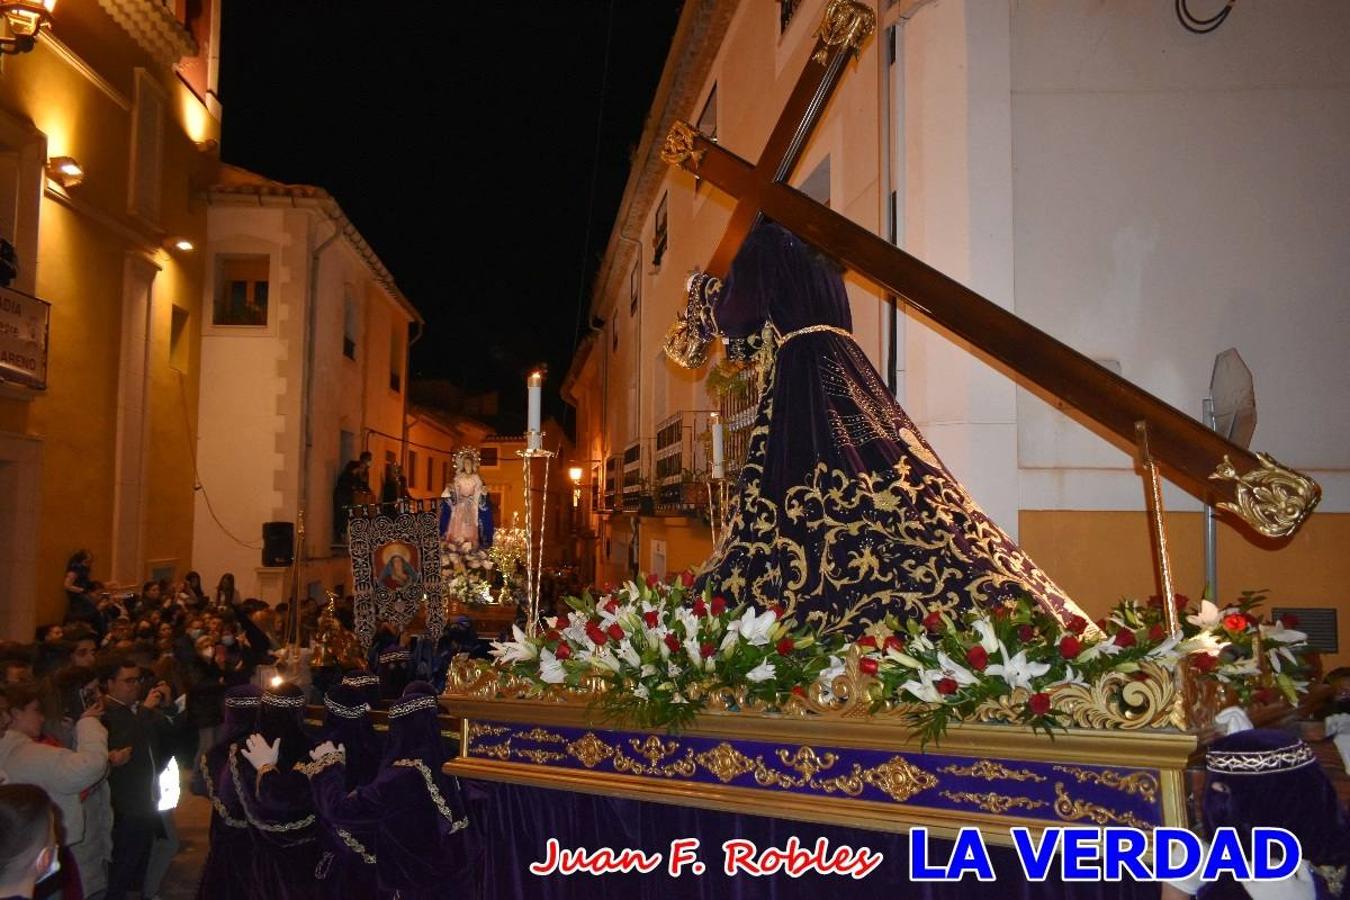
(933, 621)
(799, 690)
(1235, 622)
(785, 646)
(563, 652)
(1101, 623)
(616, 631)
(1204, 662)
(894, 643)
(867, 641)
(687, 578)
(1124, 638)
(1266, 695)
(1070, 647)
(977, 657)
(611, 605)
(946, 686)
(1181, 600)
(1039, 704)
(1289, 620)
(707, 649)
(719, 605)
(1025, 633)
(651, 617)
(596, 635)
(778, 610)
(552, 635)
(1157, 632)
(652, 581)
(672, 642)
(1077, 624)
(867, 665)
(1155, 601)
(700, 608)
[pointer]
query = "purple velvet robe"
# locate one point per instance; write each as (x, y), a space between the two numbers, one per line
(287, 851)
(843, 513)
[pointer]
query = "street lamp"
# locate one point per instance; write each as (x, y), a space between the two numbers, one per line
(574, 473)
(21, 20)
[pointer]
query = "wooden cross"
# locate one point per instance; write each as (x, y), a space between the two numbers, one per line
(1271, 499)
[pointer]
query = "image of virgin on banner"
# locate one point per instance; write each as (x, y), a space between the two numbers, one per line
(396, 567)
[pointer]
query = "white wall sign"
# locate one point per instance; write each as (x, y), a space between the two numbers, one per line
(24, 322)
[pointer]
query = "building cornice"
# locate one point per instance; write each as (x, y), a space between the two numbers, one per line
(75, 61)
(154, 27)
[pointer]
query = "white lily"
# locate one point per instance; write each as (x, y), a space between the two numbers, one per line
(904, 659)
(673, 669)
(924, 688)
(1070, 677)
(641, 692)
(1240, 669)
(1204, 642)
(988, 640)
(730, 640)
(551, 669)
(604, 658)
(576, 629)
(836, 668)
(1018, 672)
(1209, 616)
(1166, 652)
(1278, 632)
(921, 643)
(960, 674)
(756, 629)
(1275, 653)
(687, 618)
(518, 650)
(648, 670)
(691, 650)
(628, 654)
(762, 672)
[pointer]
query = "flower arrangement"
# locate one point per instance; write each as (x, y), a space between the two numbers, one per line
(466, 572)
(663, 651)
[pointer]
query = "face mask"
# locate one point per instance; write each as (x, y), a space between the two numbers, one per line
(195, 633)
(228, 640)
(52, 867)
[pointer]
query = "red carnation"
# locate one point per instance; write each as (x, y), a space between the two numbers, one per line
(1039, 704)
(563, 652)
(687, 578)
(946, 686)
(1025, 633)
(977, 657)
(1204, 662)
(1077, 624)
(894, 643)
(1124, 638)
(867, 665)
(552, 635)
(672, 642)
(1235, 622)
(785, 646)
(651, 617)
(1070, 647)
(933, 621)
(1101, 623)
(611, 605)
(616, 631)
(799, 690)
(719, 605)
(1289, 620)
(1157, 632)
(596, 635)
(653, 581)
(707, 649)
(867, 641)
(700, 608)
(1181, 600)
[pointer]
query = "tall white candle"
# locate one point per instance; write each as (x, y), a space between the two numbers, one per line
(718, 467)
(536, 386)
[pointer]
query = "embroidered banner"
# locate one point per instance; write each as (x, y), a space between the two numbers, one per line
(396, 565)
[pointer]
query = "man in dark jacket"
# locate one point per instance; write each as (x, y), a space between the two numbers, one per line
(141, 726)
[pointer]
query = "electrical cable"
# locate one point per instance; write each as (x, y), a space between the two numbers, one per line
(196, 476)
(1201, 26)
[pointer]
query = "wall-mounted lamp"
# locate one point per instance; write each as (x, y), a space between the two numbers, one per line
(574, 473)
(65, 171)
(183, 245)
(20, 21)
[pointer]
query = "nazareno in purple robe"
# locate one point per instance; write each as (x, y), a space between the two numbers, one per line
(347, 723)
(412, 812)
(288, 859)
(842, 512)
(221, 877)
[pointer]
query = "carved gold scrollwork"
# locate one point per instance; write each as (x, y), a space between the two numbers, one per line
(653, 748)
(589, 750)
(1071, 810)
(994, 803)
(540, 757)
(1116, 701)
(1273, 499)
(899, 778)
(1141, 784)
(542, 736)
(806, 761)
(992, 771)
(845, 24)
(680, 146)
(496, 751)
(482, 729)
(685, 766)
(725, 762)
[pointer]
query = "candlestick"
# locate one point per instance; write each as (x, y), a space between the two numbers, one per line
(718, 464)
(535, 435)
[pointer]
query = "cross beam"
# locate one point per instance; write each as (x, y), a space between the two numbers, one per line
(1269, 498)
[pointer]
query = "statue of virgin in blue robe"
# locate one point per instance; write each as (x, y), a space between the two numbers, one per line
(842, 512)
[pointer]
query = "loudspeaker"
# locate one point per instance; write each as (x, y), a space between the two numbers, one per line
(278, 543)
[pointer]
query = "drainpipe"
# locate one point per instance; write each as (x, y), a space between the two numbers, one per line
(407, 371)
(306, 404)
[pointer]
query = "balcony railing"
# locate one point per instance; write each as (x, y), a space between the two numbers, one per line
(632, 475)
(681, 460)
(737, 408)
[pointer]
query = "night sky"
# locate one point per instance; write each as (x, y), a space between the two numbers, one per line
(461, 139)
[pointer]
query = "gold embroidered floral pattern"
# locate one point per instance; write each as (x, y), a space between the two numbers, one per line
(435, 793)
(1142, 784)
(496, 751)
(311, 769)
(540, 735)
(356, 846)
(482, 729)
(540, 757)
(216, 803)
(994, 803)
(249, 814)
(990, 770)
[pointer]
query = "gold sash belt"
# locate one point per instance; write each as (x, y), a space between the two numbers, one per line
(814, 329)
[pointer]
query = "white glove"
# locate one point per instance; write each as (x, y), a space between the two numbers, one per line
(1342, 742)
(1299, 886)
(326, 748)
(1232, 719)
(1337, 724)
(1189, 886)
(259, 753)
